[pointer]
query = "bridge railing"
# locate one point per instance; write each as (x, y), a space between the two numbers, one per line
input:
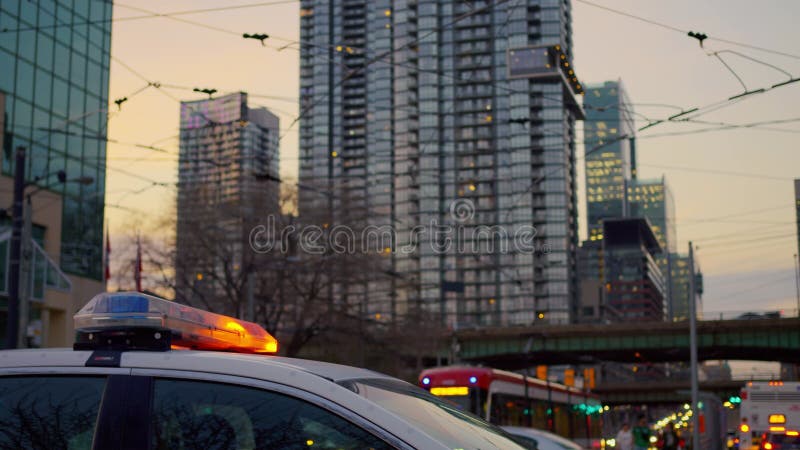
(750, 314)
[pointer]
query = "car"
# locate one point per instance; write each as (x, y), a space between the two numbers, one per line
(780, 440)
(749, 316)
(147, 373)
(534, 439)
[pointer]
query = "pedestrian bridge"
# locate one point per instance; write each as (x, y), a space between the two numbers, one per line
(518, 347)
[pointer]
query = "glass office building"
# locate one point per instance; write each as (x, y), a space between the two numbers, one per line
(653, 200)
(54, 68)
(415, 108)
(609, 141)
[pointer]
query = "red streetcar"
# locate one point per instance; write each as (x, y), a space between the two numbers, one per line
(511, 399)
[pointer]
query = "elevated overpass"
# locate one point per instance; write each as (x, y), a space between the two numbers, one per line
(518, 347)
(662, 391)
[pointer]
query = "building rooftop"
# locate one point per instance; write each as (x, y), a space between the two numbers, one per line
(628, 230)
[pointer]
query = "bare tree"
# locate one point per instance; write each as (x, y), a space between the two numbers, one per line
(300, 296)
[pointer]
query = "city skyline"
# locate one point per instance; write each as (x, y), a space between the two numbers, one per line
(704, 214)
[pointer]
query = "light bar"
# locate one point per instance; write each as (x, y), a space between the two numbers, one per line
(188, 327)
(450, 390)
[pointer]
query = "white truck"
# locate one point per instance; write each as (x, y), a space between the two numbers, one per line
(768, 406)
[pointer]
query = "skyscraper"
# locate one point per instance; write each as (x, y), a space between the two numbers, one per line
(55, 77)
(653, 200)
(609, 140)
(635, 285)
(227, 182)
(797, 206)
(681, 285)
(410, 108)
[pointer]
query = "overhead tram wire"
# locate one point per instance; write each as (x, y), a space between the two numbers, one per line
(561, 145)
(193, 23)
(106, 166)
(149, 16)
(739, 241)
(169, 15)
(232, 33)
(685, 32)
(752, 247)
(383, 55)
(67, 155)
(99, 138)
(698, 110)
(718, 172)
(346, 181)
(760, 229)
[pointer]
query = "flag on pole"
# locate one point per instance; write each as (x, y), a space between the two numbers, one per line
(138, 269)
(108, 254)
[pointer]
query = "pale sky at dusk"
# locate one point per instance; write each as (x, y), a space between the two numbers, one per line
(743, 224)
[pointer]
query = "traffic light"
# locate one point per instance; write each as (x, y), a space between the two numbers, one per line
(735, 399)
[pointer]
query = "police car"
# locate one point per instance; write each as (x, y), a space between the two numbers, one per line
(146, 373)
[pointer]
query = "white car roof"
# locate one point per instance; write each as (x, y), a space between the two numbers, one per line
(202, 361)
(541, 434)
(311, 376)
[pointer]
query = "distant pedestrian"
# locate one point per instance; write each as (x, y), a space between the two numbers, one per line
(624, 438)
(641, 434)
(669, 438)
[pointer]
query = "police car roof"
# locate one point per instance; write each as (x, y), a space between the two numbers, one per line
(239, 364)
(311, 376)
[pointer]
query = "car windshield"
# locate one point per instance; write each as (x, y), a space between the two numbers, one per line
(438, 419)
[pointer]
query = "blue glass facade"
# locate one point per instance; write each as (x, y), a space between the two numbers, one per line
(652, 199)
(410, 106)
(54, 68)
(610, 159)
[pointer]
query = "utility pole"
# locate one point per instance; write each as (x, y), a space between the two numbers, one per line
(797, 281)
(12, 325)
(24, 304)
(693, 352)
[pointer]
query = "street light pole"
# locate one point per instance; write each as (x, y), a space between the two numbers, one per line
(15, 252)
(19, 281)
(797, 281)
(693, 352)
